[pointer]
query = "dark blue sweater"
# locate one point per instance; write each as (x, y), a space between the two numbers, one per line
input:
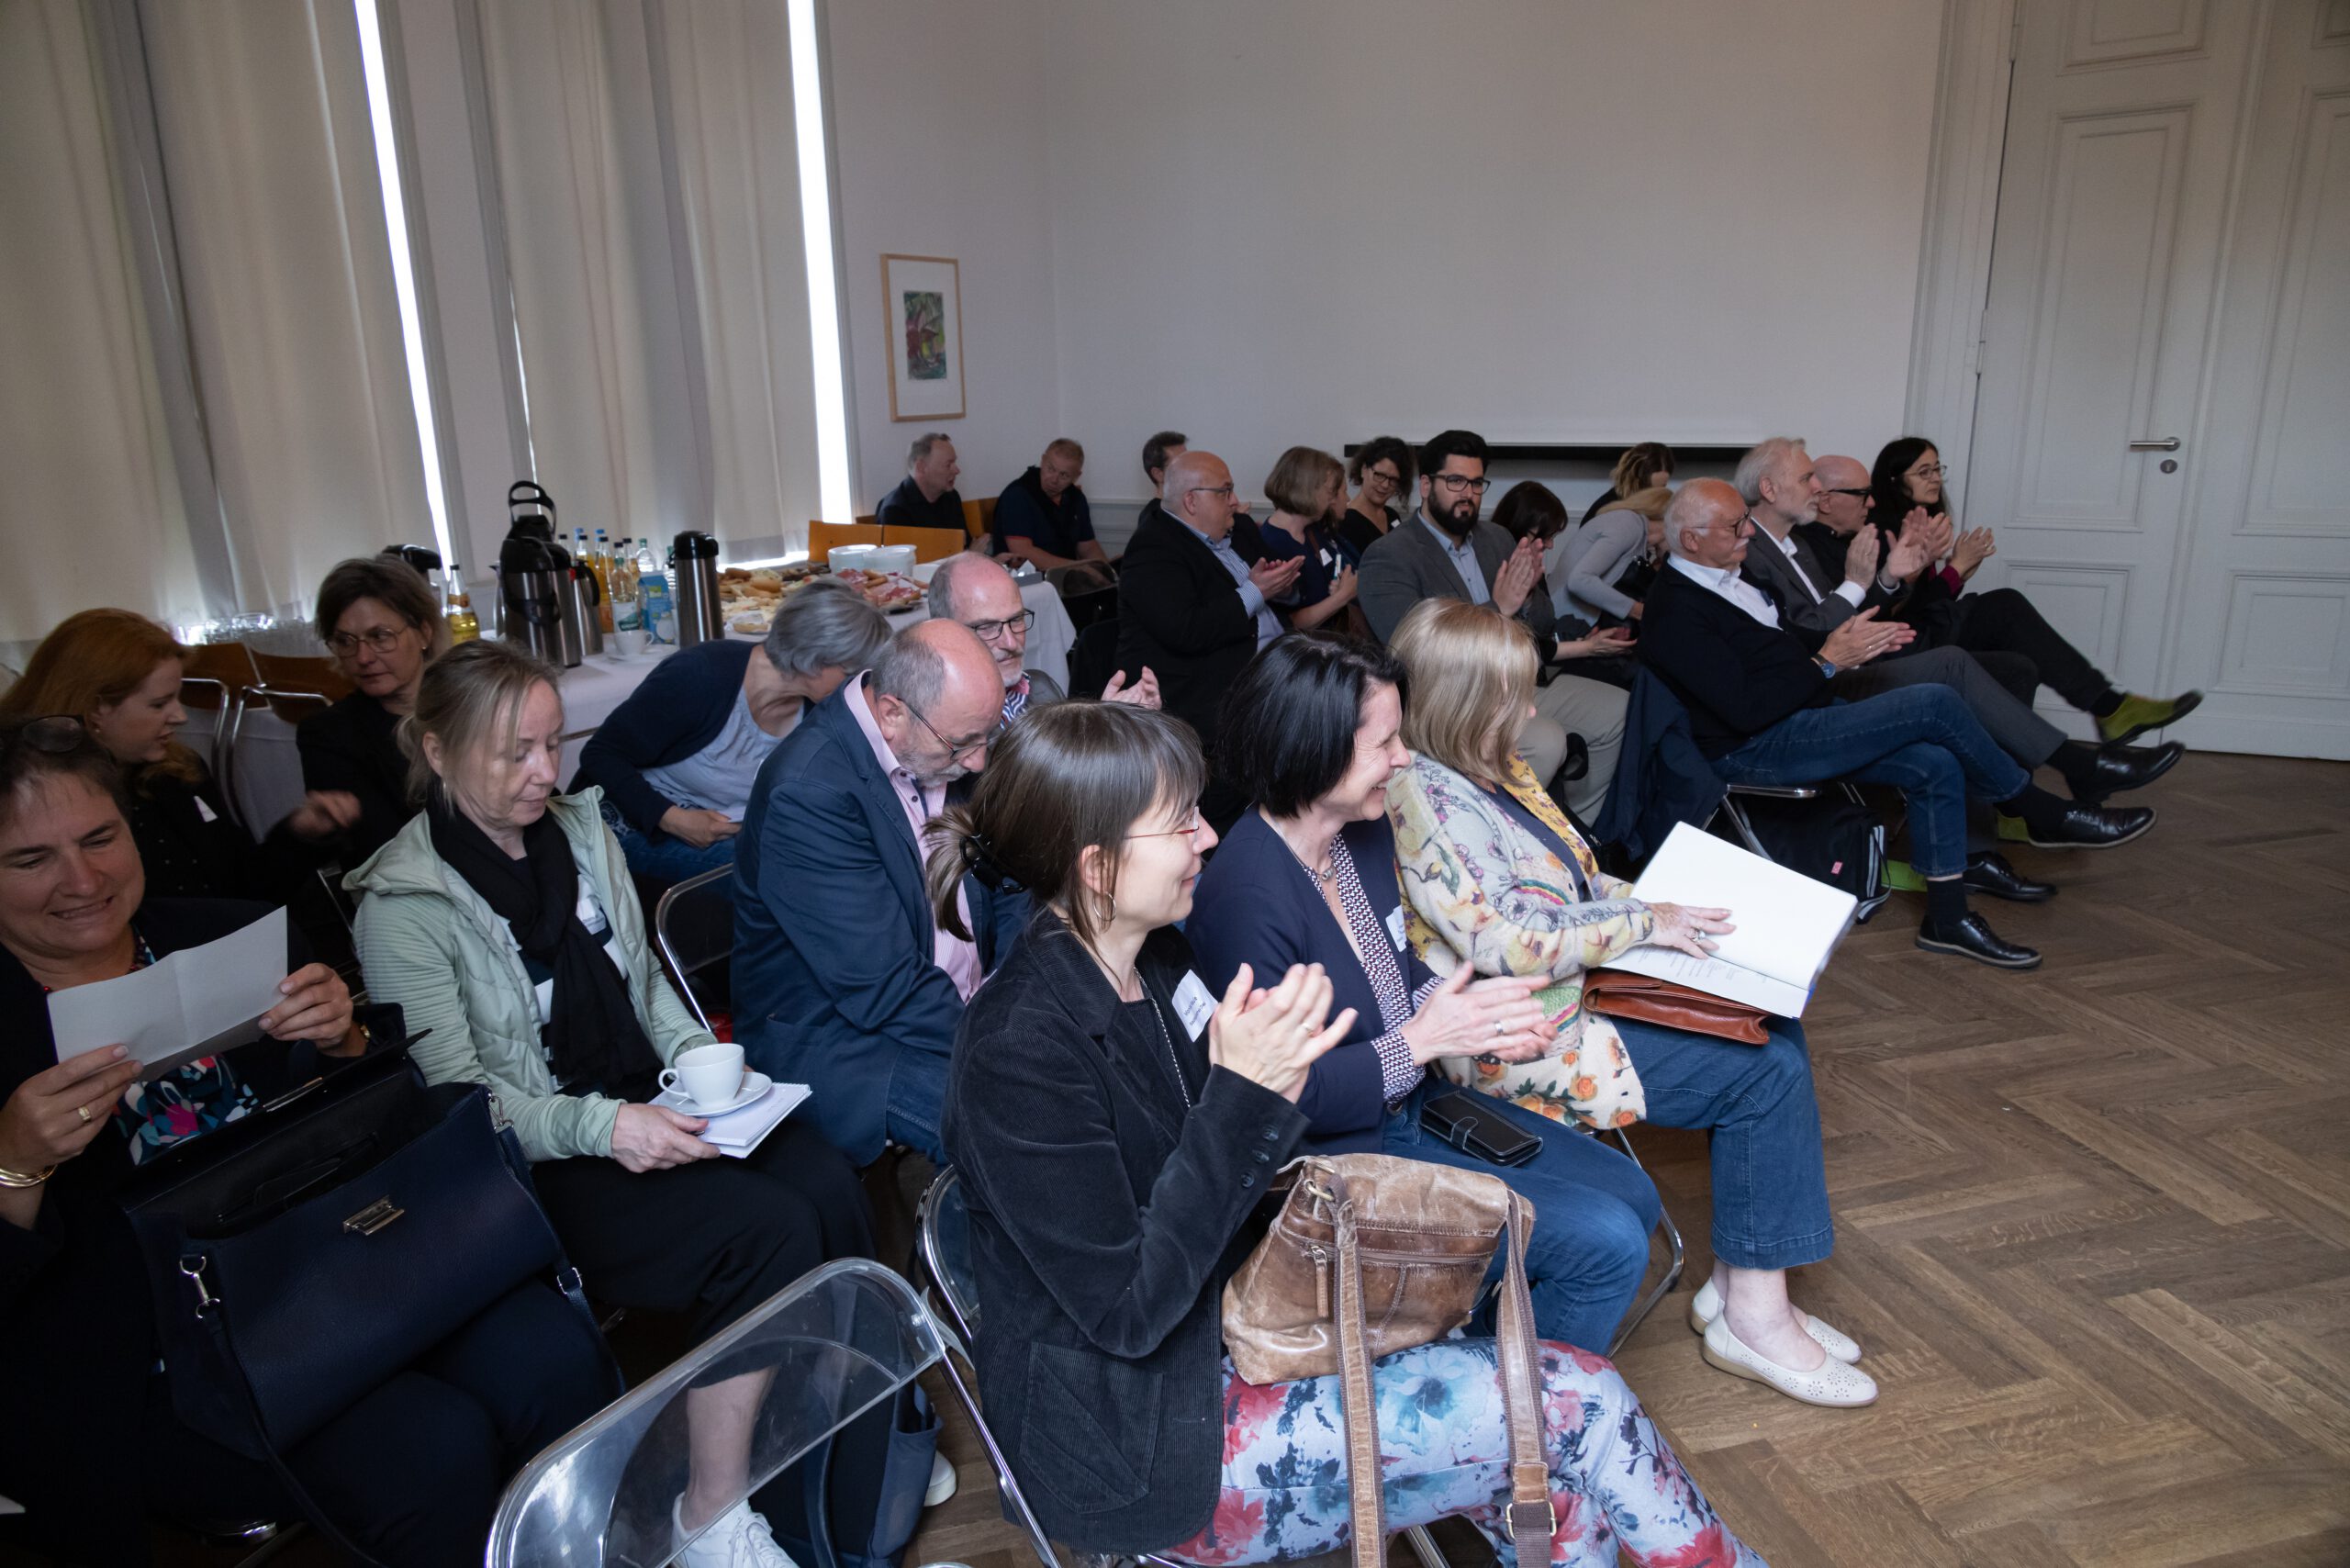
(1255, 905)
(679, 710)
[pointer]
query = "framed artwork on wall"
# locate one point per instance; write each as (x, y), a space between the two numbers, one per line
(922, 297)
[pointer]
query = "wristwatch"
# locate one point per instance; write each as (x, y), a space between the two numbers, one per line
(1826, 667)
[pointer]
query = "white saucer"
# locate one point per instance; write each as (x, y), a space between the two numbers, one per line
(755, 1083)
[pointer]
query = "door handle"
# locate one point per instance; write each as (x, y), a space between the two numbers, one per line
(2167, 444)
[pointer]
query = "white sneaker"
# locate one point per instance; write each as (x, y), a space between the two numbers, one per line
(942, 1481)
(1706, 1305)
(735, 1539)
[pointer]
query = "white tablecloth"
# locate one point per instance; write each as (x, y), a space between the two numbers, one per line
(268, 769)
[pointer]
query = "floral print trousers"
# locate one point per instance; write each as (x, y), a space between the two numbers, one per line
(1444, 1449)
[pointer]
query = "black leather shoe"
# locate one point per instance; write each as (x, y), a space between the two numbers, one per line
(1991, 874)
(2116, 768)
(1973, 937)
(2093, 827)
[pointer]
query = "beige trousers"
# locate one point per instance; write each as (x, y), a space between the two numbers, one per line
(1592, 708)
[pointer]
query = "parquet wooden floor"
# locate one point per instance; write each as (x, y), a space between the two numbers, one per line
(2093, 1225)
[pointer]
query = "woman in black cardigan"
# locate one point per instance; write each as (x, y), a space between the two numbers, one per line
(91, 1447)
(376, 616)
(1116, 1127)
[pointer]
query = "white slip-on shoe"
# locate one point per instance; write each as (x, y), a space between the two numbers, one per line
(735, 1539)
(1706, 1305)
(1832, 1383)
(942, 1481)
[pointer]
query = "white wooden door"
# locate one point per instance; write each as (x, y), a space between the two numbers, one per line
(2262, 604)
(2113, 195)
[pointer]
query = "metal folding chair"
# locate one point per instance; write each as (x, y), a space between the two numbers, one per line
(841, 1340)
(943, 1241)
(693, 926)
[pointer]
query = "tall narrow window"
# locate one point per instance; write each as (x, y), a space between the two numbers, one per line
(824, 286)
(387, 176)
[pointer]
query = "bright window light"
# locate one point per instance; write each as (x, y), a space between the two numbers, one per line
(387, 175)
(823, 288)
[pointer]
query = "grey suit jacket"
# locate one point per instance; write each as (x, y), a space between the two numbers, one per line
(1768, 568)
(1405, 565)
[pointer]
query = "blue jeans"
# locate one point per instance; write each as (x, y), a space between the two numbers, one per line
(1921, 739)
(670, 860)
(1593, 1212)
(1770, 1179)
(917, 1097)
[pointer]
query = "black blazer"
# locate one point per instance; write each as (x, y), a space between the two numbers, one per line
(1736, 676)
(354, 746)
(1179, 612)
(1106, 1218)
(77, 1325)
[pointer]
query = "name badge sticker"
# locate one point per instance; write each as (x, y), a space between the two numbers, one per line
(205, 811)
(1193, 1006)
(1395, 926)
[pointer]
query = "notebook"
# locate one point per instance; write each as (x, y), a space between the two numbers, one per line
(745, 1127)
(1788, 924)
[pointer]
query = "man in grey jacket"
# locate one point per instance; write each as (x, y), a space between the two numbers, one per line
(1444, 550)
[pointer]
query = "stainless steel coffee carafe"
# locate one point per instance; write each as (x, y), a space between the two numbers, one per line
(693, 578)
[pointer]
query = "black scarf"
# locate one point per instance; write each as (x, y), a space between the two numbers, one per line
(591, 1033)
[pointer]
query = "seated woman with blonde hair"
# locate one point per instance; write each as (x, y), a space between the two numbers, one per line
(1496, 878)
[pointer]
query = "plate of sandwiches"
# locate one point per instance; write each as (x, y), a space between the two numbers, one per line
(892, 592)
(747, 597)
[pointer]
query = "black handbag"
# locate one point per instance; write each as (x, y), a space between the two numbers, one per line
(300, 1257)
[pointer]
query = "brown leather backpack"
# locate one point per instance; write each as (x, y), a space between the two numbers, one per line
(1372, 1254)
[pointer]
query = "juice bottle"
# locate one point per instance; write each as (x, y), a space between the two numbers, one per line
(463, 625)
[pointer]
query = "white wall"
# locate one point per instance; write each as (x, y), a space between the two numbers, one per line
(940, 133)
(1319, 219)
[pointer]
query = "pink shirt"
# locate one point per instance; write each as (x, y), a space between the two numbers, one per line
(959, 959)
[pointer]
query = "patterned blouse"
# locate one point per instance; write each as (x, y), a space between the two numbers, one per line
(1398, 1073)
(186, 1103)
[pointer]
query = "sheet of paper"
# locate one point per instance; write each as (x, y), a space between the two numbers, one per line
(1773, 996)
(1787, 923)
(194, 1002)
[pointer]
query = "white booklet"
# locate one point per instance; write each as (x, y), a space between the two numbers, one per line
(743, 1129)
(1788, 924)
(195, 1002)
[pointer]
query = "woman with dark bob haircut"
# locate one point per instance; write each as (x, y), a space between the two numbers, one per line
(1314, 734)
(1117, 1127)
(1381, 471)
(378, 617)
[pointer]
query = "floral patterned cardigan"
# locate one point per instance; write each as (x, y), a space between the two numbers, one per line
(1482, 888)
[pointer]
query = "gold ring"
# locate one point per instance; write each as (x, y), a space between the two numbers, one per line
(83, 1112)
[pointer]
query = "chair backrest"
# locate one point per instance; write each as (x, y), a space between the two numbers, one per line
(214, 673)
(841, 1341)
(1093, 658)
(825, 537)
(975, 520)
(694, 927)
(930, 544)
(943, 1228)
(296, 686)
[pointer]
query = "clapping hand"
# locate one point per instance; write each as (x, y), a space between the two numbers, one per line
(1272, 1037)
(1920, 543)
(1517, 576)
(1496, 1017)
(1861, 556)
(1684, 927)
(1274, 578)
(1143, 693)
(1970, 550)
(1863, 638)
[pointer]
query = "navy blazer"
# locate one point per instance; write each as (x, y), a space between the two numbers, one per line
(833, 943)
(1255, 905)
(675, 711)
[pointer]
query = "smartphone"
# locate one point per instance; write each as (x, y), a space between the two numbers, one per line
(1469, 1124)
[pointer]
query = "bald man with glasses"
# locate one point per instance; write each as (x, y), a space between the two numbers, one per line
(1445, 551)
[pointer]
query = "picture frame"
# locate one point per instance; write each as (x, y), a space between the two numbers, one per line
(921, 302)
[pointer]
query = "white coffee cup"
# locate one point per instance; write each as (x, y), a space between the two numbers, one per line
(707, 1075)
(630, 643)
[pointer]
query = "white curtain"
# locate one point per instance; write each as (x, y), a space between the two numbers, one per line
(89, 504)
(294, 327)
(738, 177)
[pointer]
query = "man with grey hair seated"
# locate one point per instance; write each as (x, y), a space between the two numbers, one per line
(975, 591)
(925, 497)
(842, 981)
(678, 758)
(1762, 710)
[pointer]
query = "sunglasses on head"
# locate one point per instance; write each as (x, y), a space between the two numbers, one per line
(55, 733)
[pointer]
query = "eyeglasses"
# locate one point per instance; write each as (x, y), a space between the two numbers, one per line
(1223, 490)
(1458, 483)
(54, 735)
(1188, 830)
(958, 753)
(988, 631)
(1931, 471)
(1383, 477)
(1861, 494)
(379, 641)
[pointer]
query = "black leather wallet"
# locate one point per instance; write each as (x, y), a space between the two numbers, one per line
(1469, 1124)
